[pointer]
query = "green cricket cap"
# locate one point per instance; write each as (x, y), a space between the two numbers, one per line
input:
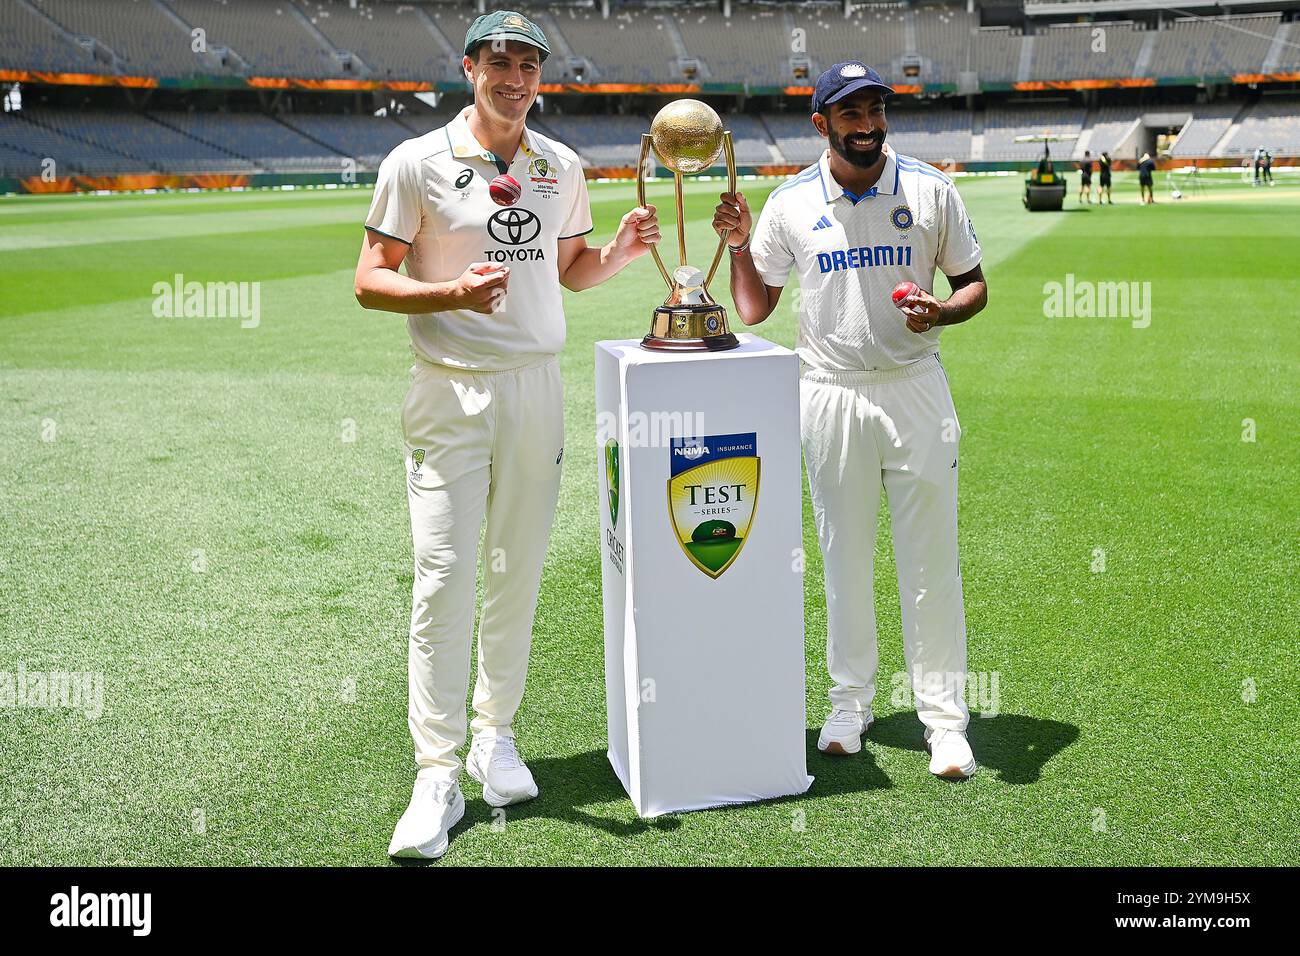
(506, 25)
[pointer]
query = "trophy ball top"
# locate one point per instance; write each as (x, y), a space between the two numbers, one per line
(687, 135)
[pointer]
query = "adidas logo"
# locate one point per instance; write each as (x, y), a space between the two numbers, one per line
(822, 223)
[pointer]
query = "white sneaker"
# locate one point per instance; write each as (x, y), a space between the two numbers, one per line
(842, 732)
(950, 754)
(495, 763)
(436, 807)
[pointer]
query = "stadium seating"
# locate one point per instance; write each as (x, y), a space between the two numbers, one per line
(144, 39)
(28, 41)
(877, 37)
(1087, 50)
(14, 161)
(753, 45)
(1003, 124)
(632, 46)
(753, 144)
(270, 37)
(33, 134)
(1274, 123)
(602, 140)
(1288, 53)
(453, 21)
(1108, 127)
(420, 40)
(100, 143)
(253, 135)
(1213, 46)
(936, 136)
(996, 54)
(944, 42)
(640, 44)
(394, 41)
(368, 139)
(794, 135)
(1206, 127)
(152, 145)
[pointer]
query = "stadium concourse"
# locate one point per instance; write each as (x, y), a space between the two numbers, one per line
(258, 88)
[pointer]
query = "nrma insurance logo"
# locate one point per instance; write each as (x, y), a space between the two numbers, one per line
(712, 493)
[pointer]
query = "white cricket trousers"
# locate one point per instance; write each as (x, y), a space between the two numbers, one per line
(894, 430)
(479, 446)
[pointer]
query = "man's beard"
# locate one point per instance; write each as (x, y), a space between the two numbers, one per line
(857, 157)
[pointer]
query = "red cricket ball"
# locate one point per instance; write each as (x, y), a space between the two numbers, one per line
(902, 292)
(505, 190)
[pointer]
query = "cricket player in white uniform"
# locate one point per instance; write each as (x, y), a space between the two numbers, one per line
(876, 411)
(483, 419)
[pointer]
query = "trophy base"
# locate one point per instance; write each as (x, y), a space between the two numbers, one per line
(713, 343)
(686, 329)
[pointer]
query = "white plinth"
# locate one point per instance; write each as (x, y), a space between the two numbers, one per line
(704, 645)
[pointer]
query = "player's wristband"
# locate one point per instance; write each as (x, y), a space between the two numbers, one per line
(737, 250)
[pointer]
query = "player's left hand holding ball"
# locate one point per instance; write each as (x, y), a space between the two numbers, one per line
(637, 231)
(921, 308)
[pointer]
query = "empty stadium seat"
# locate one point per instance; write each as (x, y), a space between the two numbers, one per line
(1273, 123)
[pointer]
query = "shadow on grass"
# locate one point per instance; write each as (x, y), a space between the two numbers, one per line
(1016, 746)
(564, 786)
(854, 773)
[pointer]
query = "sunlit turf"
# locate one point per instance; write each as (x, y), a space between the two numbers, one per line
(213, 517)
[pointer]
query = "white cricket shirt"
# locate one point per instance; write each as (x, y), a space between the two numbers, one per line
(850, 254)
(432, 193)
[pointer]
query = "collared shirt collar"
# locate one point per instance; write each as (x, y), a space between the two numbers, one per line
(886, 185)
(463, 143)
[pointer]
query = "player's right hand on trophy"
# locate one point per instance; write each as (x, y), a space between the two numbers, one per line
(732, 213)
(481, 287)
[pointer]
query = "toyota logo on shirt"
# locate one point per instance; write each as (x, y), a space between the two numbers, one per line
(514, 227)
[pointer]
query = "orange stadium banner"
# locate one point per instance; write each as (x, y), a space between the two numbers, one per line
(619, 88)
(1293, 77)
(134, 182)
(290, 83)
(77, 79)
(35, 184)
(808, 90)
(1116, 84)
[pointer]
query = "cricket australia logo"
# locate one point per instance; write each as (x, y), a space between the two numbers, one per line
(417, 461)
(611, 480)
(712, 494)
(545, 178)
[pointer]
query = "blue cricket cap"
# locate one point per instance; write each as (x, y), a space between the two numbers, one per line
(843, 79)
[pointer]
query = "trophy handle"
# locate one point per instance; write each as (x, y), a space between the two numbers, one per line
(640, 201)
(730, 152)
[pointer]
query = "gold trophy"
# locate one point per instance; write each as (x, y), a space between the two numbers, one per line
(687, 136)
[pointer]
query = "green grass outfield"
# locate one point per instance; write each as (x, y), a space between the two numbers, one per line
(183, 513)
